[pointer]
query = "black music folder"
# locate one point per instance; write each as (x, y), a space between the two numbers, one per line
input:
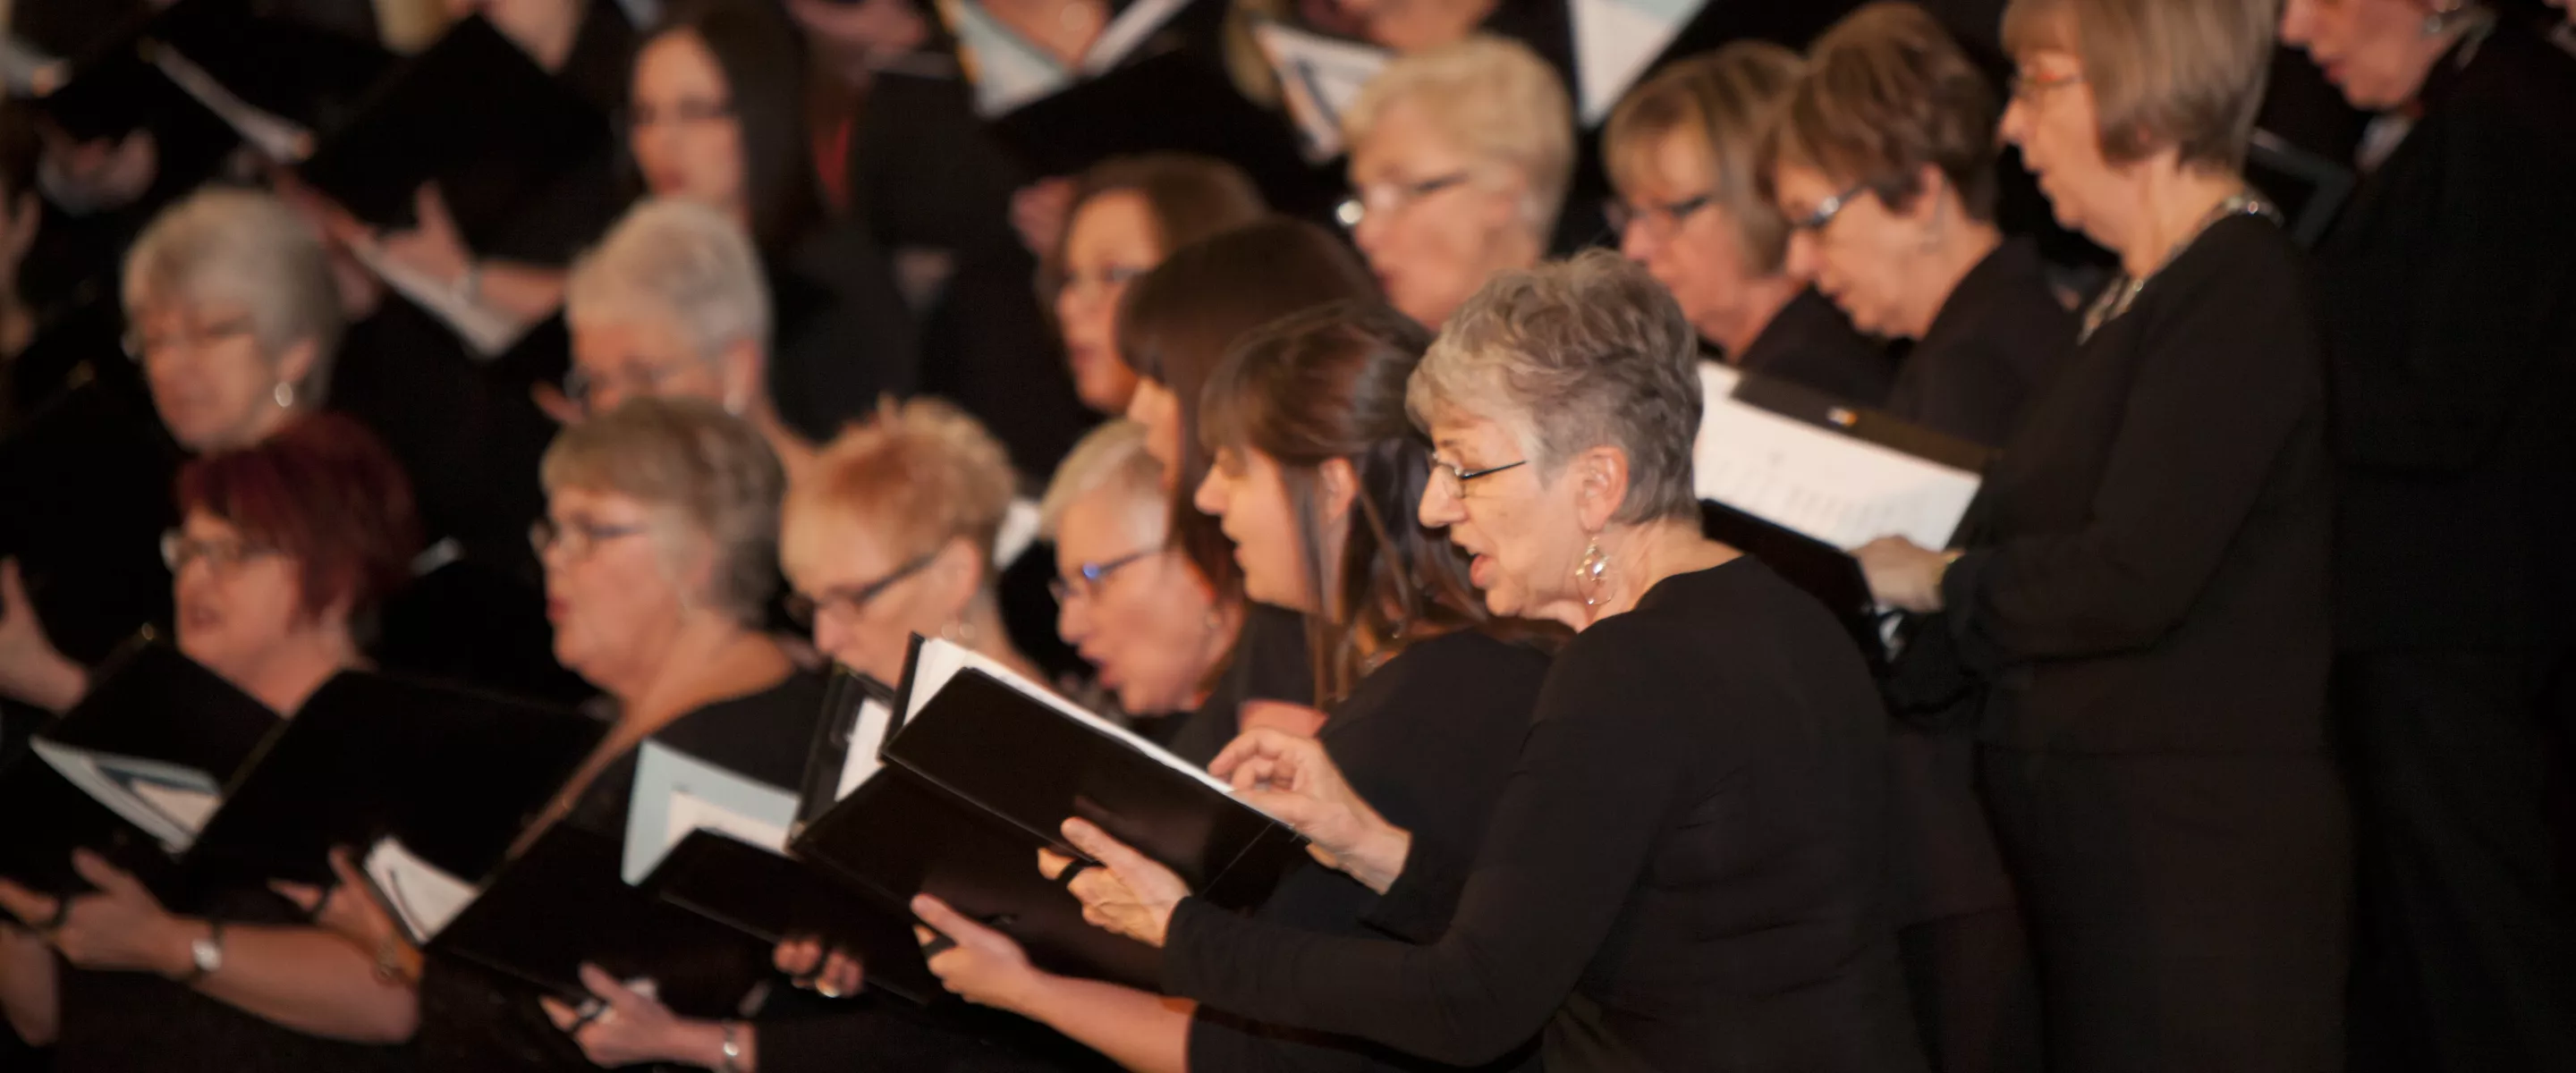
(129, 772)
(1797, 479)
(755, 888)
(473, 113)
(455, 774)
(560, 904)
(144, 73)
(983, 769)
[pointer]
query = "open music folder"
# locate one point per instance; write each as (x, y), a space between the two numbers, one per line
(981, 771)
(1798, 480)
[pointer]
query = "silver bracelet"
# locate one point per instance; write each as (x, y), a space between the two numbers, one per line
(732, 1048)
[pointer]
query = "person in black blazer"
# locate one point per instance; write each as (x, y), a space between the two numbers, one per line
(1885, 156)
(2450, 297)
(1686, 868)
(2145, 591)
(1683, 153)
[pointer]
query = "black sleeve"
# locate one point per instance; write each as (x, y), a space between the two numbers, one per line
(1974, 393)
(2231, 374)
(2435, 342)
(1569, 839)
(1422, 901)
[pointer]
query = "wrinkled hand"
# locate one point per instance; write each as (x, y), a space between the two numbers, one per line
(31, 668)
(119, 928)
(1296, 720)
(1292, 778)
(983, 966)
(1039, 213)
(433, 247)
(832, 975)
(633, 1027)
(1129, 893)
(1902, 575)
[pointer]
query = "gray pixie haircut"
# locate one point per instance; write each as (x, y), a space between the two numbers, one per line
(1111, 458)
(676, 259)
(231, 245)
(1572, 355)
(708, 471)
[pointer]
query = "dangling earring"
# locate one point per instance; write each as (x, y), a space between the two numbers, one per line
(2444, 12)
(958, 631)
(284, 394)
(1592, 575)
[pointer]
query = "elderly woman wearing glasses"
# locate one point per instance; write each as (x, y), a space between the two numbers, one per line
(892, 533)
(1684, 154)
(2144, 594)
(1460, 157)
(1686, 868)
(673, 303)
(285, 544)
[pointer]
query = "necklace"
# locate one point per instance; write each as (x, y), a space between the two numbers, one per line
(2123, 292)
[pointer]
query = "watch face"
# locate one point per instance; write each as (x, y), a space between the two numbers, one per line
(208, 955)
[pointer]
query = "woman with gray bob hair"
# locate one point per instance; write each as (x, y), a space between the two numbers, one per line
(232, 312)
(1702, 782)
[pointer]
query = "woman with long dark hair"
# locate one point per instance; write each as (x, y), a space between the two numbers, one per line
(1317, 468)
(715, 115)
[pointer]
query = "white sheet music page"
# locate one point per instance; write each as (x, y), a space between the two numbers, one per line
(867, 737)
(1838, 489)
(1319, 77)
(941, 660)
(1615, 41)
(419, 895)
(166, 801)
(676, 793)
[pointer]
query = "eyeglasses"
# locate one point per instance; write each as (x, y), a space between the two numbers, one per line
(1663, 219)
(178, 550)
(194, 339)
(1091, 576)
(851, 599)
(2028, 87)
(632, 380)
(1452, 481)
(576, 538)
(1826, 210)
(1388, 198)
(691, 111)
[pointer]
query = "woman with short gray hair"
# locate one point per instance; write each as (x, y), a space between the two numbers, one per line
(233, 314)
(1686, 870)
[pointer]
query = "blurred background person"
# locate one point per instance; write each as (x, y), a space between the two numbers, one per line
(1561, 403)
(2451, 322)
(1685, 152)
(288, 545)
(1133, 605)
(1885, 157)
(891, 533)
(716, 116)
(660, 544)
(1176, 325)
(2144, 590)
(1459, 161)
(1126, 215)
(1318, 465)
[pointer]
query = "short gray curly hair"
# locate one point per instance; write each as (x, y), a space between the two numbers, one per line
(1573, 355)
(680, 260)
(706, 469)
(227, 244)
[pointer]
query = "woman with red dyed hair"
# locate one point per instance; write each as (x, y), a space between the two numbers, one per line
(285, 547)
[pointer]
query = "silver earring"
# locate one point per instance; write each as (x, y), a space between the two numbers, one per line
(2444, 15)
(1592, 575)
(285, 395)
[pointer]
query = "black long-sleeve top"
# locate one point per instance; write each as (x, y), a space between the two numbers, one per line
(2449, 288)
(1428, 739)
(1810, 342)
(1683, 871)
(1996, 339)
(2148, 569)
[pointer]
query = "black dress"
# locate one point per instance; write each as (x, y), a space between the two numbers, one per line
(2450, 299)
(472, 1019)
(2147, 602)
(1809, 342)
(840, 336)
(1994, 343)
(1428, 739)
(1683, 871)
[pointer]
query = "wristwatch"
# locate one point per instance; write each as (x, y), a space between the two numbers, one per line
(732, 1048)
(206, 955)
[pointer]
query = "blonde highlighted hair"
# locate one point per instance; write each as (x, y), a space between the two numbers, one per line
(2189, 74)
(1491, 98)
(1725, 100)
(920, 473)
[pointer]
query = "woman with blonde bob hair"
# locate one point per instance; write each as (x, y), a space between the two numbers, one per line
(2143, 594)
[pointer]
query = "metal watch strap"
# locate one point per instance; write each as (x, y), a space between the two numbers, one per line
(732, 1048)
